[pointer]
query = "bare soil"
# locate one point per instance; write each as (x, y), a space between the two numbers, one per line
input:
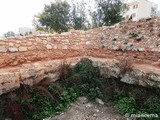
(84, 110)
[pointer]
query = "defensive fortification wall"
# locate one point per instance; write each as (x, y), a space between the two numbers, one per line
(30, 59)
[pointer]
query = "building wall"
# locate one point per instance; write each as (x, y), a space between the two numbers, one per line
(28, 31)
(131, 11)
(142, 11)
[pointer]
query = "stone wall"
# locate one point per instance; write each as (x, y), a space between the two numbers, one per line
(15, 51)
(33, 58)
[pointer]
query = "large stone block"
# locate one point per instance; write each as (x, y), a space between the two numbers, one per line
(49, 46)
(9, 81)
(3, 49)
(13, 49)
(11, 44)
(22, 48)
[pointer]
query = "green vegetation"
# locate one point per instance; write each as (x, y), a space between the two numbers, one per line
(60, 16)
(9, 34)
(78, 16)
(133, 34)
(45, 99)
(55, 17)
(138, 100)
(48, 107)
(109, 12)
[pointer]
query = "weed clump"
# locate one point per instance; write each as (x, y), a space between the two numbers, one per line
(133, 34)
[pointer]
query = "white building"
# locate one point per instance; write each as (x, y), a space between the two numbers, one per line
(27, 31)
(158, 13)
(138, 9)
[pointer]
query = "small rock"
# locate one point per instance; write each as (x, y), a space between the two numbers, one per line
(88, 36)
(89, 105)
(141, 49)
(155, 50)
(99, 101)
(64, 47)
(89, 43)
(114, 39)
(97, 110)
(94, 115)
(8, 118)
(127, 78)
(82, 100)
(13, 49)
(154, 77)
(58, 113)
(49, 46)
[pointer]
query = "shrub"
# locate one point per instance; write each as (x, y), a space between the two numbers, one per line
(63, 69)
(153, 105)
(125, 65)
(83, 73)
(94, 93)
(126, 105)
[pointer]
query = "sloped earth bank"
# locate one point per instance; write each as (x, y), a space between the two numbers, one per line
(82, 109)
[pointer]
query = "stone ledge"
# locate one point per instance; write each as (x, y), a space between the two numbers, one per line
(10, 78)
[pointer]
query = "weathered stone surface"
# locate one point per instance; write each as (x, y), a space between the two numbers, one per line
(49, 46)
(8, 81)
(27, 73)
(44, 42)
(31, 48)
(11, 44)
(2, 42)
(154, 77)
(34, 72)
(110, 43)
(89, 43)
(127, 78)
(99, 101)
(110, 71)
(65, 47)
(141, 49)
(3, 49)
(54, 76)
(29, 43)
(13, 49)
(22, 48)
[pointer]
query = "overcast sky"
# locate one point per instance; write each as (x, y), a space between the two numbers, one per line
(20, 13)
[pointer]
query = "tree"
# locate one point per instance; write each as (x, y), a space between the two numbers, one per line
(78, 16)
(9, 34)
(55, 17)
(38, 26)
(108, 12)
(60, 16)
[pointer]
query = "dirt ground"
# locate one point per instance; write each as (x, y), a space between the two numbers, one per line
(84, 110)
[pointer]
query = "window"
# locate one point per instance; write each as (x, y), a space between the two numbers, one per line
(127, 17)
(134, 15)
(134, 6)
